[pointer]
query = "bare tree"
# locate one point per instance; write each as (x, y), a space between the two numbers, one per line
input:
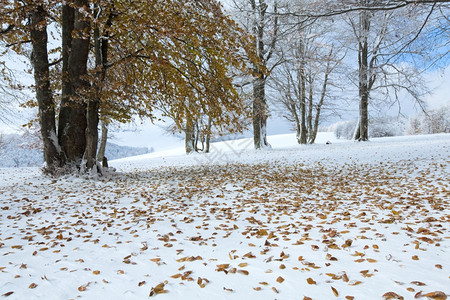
(303, 80)
(389, 38)
(260, 18)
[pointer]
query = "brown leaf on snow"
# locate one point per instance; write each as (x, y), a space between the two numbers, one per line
(335, 291)
(262, 232)
(32, 286)
(222, 267)
(436, 295)
(280, 279)
(418, 283)
(244, 272)
(83, 287)
(7, 294)
(392, 295)
(310, 281)
(159, 289)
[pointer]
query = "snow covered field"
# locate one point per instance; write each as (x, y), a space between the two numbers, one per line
(339, 221)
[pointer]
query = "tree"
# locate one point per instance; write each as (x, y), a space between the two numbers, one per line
(179, 57)
(260, 18)
(386, 36)
(303, 80)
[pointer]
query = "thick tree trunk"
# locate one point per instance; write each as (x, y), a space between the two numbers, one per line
(38, 30)
(91, 134)
(260, 113)
(72, 120)
(100, 49)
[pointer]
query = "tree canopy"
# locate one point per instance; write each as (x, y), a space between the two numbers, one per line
(123, 58)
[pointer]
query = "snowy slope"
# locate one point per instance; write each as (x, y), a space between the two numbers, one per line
(24, 151)
(339, 221)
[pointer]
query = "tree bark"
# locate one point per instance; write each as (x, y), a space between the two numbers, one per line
(309, 118)
(93, 103)
(259, 113)
(189, 136)
(313, 135)
(302, 88)
(38, 31)
(73, 121)
(364, 88)
(208, 135)
(103, 140)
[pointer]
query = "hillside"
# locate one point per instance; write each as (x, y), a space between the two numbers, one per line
(343, 220)
(21, 151)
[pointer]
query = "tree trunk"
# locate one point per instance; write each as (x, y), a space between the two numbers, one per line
(73, 121)
(313, 135)
(309, 117)
(68, 15)
(100, 50)
(38, 31)
(103, 140)
(364, 89)
(259, 113)
(208, 135)
(91, 134)
(302, 88)
(196, 136)
(189, 136)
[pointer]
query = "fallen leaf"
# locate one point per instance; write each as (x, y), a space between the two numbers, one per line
(244, 272)
(335, 292)
(83, 287)
(436, 295)
(159, 289)
(32, 286)
(418, 283)
(280, 279)
(311, 281)
(392, 295)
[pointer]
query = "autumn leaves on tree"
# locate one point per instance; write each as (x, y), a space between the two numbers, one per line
(119, 59)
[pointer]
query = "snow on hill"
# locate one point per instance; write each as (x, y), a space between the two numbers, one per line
(343, 220)
(22, 151)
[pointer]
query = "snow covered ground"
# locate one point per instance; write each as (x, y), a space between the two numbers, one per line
(329, 221)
